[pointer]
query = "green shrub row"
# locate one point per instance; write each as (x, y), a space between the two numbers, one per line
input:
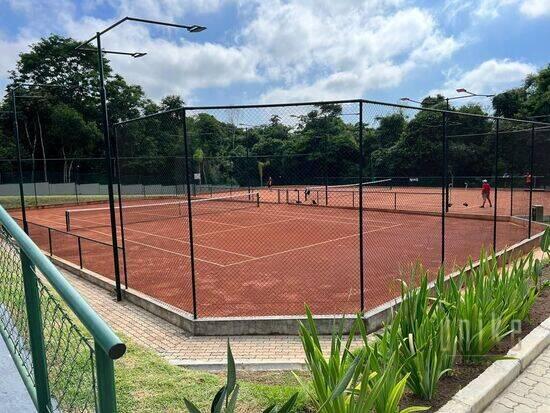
(461, 317)
(465, 316)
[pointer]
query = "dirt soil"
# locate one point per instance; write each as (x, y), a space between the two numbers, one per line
(464, 373)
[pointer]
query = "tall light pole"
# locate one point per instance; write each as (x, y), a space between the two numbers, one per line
(105, 119)
(447, 99)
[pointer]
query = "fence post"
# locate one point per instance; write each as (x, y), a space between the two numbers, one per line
(444, 186)
(105, 373)
(496, 187)
(20, 164)
(121, 218)
(79, 251)
(189, 214)
(36, 336)
(361, 239)
(50, 240)
(107, 143)
(531, 161)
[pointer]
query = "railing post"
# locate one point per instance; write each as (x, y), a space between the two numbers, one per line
(105, 373)
(36, 336)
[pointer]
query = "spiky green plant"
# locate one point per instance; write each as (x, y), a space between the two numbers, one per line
(428, 336)
(345, 382)
(225, 400)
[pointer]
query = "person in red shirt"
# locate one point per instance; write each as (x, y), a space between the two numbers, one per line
(486, 193)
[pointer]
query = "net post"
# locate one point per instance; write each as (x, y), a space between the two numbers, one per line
(497, 132)
(361, 238)
(531, 162)
(395, 200)
(189, 213)
(278, 196)
(257, 199)
(287, 195)
(444, 187)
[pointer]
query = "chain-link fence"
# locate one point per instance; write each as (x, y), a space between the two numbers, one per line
(258, 210)
(63, 350)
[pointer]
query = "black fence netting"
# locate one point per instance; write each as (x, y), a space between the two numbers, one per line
(260, 210)
(152, 210)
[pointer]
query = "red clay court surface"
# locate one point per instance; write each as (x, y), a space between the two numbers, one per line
(273, 259)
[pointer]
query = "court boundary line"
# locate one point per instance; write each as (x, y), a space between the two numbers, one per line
(312, 245)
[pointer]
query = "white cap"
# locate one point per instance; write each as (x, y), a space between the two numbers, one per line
(485, 180)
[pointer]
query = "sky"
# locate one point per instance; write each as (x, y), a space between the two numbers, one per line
(275, 51)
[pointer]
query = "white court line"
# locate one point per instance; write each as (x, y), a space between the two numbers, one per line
(312, 245)
(249, 226)
(187, 242)
(354, 222)
(146, 245)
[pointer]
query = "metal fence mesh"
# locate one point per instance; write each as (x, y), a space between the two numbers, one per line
(258, 210)
(69, 355)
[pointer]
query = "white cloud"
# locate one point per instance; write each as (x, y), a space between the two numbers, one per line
(370, 46)
(535, 8)
(492, 8)
(490, 77)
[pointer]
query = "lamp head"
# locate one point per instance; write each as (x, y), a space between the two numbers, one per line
(196, 28)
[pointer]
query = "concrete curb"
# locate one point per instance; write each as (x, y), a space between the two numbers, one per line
(480, 392)
(374, 319)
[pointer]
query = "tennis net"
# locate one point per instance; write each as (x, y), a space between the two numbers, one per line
(99, 217)
(378, 184)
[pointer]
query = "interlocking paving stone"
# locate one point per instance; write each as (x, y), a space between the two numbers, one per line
(530, 392)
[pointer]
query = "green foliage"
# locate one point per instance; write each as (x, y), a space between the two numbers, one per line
(545, 241)
(492, 302)
(225, 400)
(347, 382)
(428, 336)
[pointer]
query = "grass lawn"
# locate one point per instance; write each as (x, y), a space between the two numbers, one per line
(15, 201)
(145, 382)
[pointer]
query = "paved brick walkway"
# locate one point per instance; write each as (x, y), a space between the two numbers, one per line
(179, 347)
(530, 392)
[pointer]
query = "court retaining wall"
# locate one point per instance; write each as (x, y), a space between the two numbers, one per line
(287, 325)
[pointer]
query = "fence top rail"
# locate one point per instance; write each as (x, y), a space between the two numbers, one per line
(102, 334)
(360, 101)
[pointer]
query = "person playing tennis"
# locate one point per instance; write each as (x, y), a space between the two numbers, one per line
(486, 193)
(269, 183)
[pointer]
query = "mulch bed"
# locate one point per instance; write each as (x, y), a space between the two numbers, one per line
(464, 373)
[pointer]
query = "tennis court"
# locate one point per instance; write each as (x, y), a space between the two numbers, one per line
(257, 255)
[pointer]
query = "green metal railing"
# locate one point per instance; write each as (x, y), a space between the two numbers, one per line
(63, 350)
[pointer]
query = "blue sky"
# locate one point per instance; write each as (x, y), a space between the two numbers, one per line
(299, 50)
